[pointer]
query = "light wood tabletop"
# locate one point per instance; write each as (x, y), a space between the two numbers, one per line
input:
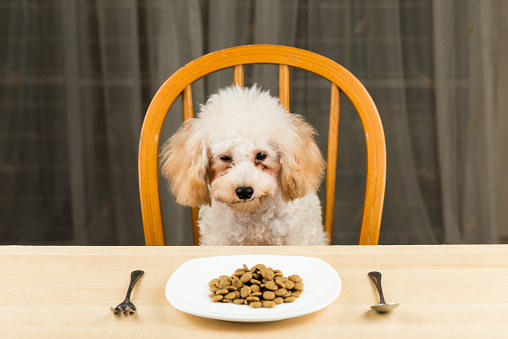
(445, 291)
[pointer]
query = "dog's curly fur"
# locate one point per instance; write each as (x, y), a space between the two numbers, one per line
(243, 139)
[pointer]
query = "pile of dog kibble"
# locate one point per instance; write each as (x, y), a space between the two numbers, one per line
(256, 287)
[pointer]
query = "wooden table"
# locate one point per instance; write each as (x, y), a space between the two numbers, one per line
(445, 292)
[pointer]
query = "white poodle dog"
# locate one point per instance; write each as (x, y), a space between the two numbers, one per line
(252, 167)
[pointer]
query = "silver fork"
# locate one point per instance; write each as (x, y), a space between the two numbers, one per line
(127, 307)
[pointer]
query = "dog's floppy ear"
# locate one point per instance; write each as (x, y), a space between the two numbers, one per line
(302, 163)
(184, 160)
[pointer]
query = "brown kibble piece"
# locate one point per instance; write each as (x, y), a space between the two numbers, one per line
(245, 292)
(289, 299)
(295, 278)
(237, 283)
(278, 300)
(269, 304)
(223, 291)
(238, 301)
(268, 295)
(280, 292)
(289, 285)
(224, 281)
(256, 304)
(246, 277)
(271, 285)
(268, 274)
(281, 281)
(239, 272)
(255, 288)
(217, 298)
(298, 286)
(230, 295)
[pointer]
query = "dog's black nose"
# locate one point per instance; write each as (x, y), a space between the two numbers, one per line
(244, 192)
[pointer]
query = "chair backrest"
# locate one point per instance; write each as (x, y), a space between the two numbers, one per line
(341, 81)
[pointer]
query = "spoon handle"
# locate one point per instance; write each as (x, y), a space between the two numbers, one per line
(376, 279)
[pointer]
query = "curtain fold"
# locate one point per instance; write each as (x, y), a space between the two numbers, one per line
(118, 44)
(465, 115)
(501, 121)
(77, 76)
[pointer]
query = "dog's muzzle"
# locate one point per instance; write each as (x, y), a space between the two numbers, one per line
(244, 192)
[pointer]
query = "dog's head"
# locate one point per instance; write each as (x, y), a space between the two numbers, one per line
(242, 147)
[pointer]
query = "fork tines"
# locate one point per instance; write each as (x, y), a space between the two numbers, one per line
(118, 310)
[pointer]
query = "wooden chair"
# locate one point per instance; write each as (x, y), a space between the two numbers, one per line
(341, 81)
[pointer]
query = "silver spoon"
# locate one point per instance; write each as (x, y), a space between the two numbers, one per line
(382, 307)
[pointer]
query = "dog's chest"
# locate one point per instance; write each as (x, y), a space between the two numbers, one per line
(269, 225)
(270, 228)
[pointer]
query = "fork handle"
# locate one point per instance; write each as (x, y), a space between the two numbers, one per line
(135, 276)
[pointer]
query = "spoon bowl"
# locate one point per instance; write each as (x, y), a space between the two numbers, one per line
(382, 307)
(385, 308)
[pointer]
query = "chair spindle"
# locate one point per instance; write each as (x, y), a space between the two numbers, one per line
(188, 113)
(331, 159)
(284, 86)
(238, 75)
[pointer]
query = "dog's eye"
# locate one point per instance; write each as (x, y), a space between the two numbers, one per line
(225, 158)
(260, 156)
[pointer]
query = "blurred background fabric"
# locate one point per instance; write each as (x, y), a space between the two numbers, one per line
(77, 76)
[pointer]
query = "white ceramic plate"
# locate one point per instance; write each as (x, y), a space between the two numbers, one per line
(187, 288)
